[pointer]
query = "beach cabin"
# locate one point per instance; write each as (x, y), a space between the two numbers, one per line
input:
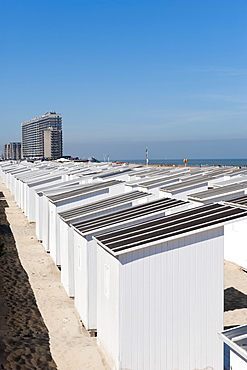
(192, 177)
(235, 349)
(85, 212)
(188, 186)
(218, 194)
(85, 249)
(160, 291)
(235, 244)
(153, 184)
(31, 185)
(49, 190)
(53, 204)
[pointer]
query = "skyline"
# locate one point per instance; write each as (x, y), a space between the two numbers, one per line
(126, 75)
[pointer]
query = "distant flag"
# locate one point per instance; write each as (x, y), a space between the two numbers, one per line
(147, 156)
(185, 161)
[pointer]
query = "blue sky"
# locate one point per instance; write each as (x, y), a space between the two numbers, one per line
(169, 75)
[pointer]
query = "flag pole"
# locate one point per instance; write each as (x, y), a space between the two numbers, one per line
(147, 156)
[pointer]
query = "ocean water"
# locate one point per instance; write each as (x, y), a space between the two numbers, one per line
(192, 162)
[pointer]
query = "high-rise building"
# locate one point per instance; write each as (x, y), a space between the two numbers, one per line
(12, 151)
(42, 137)
(52, 143)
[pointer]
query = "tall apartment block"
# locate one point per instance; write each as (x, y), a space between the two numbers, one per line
(12, 151)
(42, 137)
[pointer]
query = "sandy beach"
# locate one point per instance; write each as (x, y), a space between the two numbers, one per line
(39, 326)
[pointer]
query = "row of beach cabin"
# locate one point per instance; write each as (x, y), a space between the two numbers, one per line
(141, 251)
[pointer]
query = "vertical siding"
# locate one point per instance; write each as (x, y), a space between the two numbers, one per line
(66, 267)
(53, 231)
(45, 223)
(235, 242)
(92, 284)
(108, 307)
(39, 213)
(171, 304)
(81, 277)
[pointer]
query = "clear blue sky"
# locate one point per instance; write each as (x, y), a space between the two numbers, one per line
(170, 75)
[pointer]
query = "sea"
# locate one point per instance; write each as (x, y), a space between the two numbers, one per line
(242, 162)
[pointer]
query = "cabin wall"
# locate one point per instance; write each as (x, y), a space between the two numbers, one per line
(54, 223)
(81, 277)
(235, 242)
(67, 258)
(237, 362)
(45, 223)
(170, 306)
(108, 309)
(38, 214)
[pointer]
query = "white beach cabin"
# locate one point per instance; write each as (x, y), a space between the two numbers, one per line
(85, 249)
(235, 244)
(160, 291)
(83, 195)
(85, 212)
(235, 339)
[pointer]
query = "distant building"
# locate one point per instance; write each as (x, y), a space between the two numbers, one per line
(42, 137)
(52, 143)
(12, 151)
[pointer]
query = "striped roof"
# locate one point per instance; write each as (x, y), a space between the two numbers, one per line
(156, 230)
(127, 214)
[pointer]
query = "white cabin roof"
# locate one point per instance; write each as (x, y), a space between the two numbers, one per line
(236, 338)
(167, 227)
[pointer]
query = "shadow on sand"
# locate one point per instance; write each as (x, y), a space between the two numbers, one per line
(24, 338)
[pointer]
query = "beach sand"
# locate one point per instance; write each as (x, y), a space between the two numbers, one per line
(39, 326)
(235, 295)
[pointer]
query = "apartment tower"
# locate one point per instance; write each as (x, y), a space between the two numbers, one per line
(42, 137)
(12, 150)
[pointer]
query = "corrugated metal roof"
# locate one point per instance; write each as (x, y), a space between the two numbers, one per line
(212, 193)
(233, 180)
(187, 184)
(161, 178)
(127, 214)
(168, 226)
(78, 212)
(111, 173)
(239, 171)
(83, 189)
(151, 171)
(43, 178)
(241, 201)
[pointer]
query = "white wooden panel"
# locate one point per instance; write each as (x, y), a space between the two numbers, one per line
(67, 266)
(45, 223)
(92, 284)
(81, 277)
(52, 231)
(108, 308)
(38, 215)
(235, 242)
(171, 304)
(236, 362)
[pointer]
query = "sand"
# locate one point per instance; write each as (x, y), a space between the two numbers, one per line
(235, 301)
(39, 325)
